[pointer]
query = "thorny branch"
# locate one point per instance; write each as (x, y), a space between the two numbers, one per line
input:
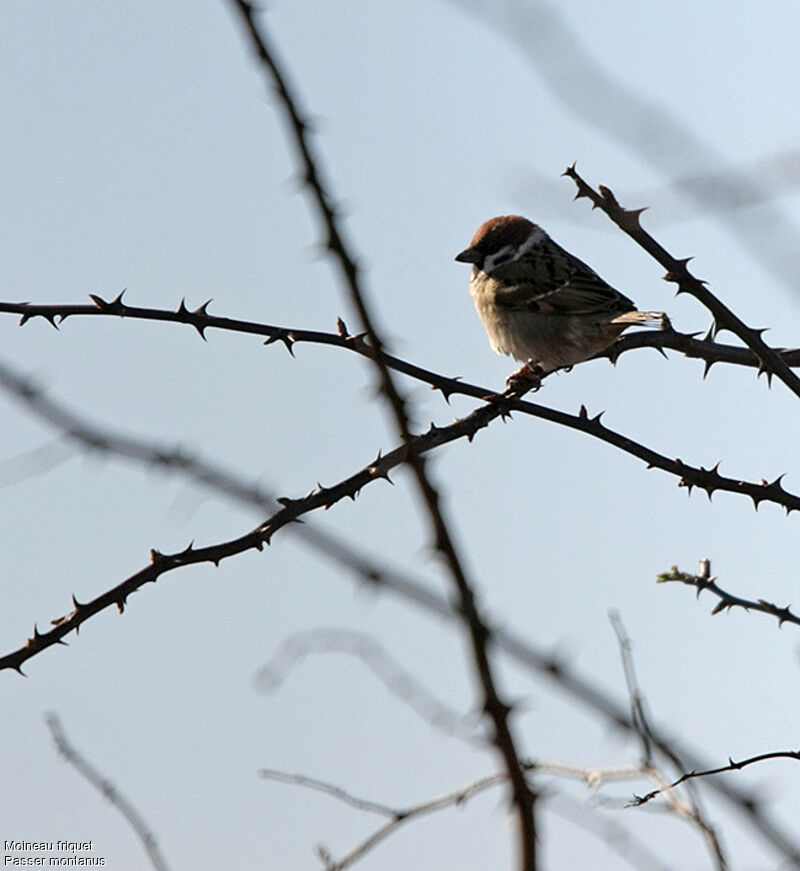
(704, 581)
(377, 575)
(677, 270)
(708, 480)
(706, 349)
(325, 497)
(495, 707)
(570, 69)
(639, 800)
(90, 773)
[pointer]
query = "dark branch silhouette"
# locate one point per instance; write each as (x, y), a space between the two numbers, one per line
(628, 220)
(731, 766)
(378, 575)
(704, 581)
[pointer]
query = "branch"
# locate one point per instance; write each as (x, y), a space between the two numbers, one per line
(689, 476)
(496, 708)
(639, 800)
(629, 117)
(199, 319)
(692, 810)
(704, 581)
(378, 575)
(368, 650)
(90, 773)
(628, 221)
(324, 497)
(397, 816)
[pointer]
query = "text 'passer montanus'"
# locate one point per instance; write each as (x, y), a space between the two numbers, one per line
(540, 304)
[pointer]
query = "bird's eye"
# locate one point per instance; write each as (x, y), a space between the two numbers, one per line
(498, 258)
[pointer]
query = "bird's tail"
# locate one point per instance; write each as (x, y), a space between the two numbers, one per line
(633, 318)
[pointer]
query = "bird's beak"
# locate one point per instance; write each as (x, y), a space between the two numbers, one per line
(469, 255)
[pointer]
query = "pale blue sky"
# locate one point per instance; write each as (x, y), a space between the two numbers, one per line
(140, 150)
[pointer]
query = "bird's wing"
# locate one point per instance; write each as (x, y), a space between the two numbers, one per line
(563, 285)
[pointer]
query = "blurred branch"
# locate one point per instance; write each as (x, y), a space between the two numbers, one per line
(377, 575)
(639, 800)
(592, 777)
(109, 792)
(727, 600)
(692, 810)
(638, 715)
(685, 197)
(633, 120)
(620, 839)
(324, 497)
(397, 816)
(628, 221)
(496, 708)
(369, 651)
(708, 480)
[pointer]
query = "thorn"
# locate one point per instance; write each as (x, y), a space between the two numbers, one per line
(115, 307)
(155, 556)
(583, 414)
(76, 604)
(341, 328)
(608, 195)
(707, 367)
(200, 312)
(776, 484)
(282, 336)
(635, 215)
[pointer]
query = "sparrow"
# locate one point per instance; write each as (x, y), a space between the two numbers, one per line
(538, 302)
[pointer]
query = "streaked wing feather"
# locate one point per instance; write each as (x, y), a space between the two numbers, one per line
(563, 285)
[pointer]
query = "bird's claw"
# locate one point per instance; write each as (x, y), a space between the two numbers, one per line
(529, 377)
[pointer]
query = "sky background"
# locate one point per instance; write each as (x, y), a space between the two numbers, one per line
(140, 150)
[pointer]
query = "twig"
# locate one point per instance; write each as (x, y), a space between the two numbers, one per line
(677, 270)
(727, 600)
(638, 715)
(639, 800)
(397, 816)
(109, 791)
(691, 811)
(495, 707)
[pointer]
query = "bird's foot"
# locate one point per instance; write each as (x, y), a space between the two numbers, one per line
(529, 377)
